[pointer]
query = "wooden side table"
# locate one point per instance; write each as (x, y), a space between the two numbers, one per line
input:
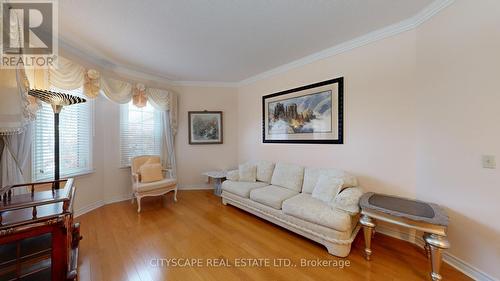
(422, 216)
(38, 237)
(216, 178)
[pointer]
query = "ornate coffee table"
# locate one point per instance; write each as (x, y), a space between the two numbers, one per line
(422, 216)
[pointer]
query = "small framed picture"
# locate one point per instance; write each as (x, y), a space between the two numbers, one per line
(308, 114)
(205, 127)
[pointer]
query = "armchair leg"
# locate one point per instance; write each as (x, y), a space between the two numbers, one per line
(138, 204)
(175, 194)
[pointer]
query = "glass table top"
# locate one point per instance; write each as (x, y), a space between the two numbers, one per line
(402, 205)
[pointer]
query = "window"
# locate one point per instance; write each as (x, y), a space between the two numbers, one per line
(140, 132)
(75, 139)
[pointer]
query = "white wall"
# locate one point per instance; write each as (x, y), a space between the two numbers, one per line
(193, 160)
(379, 115)
(420, 109)
(110, 182)
(458, 62)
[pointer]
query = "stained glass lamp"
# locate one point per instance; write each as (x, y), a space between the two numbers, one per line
(57, 101)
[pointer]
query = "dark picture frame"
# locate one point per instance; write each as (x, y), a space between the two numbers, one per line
(298, 124)
(195, 137)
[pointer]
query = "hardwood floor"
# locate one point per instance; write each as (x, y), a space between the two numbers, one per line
(119, 244)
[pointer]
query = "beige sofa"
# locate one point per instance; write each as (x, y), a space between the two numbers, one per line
(282, 194)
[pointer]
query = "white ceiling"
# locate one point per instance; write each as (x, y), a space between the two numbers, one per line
(219, 40)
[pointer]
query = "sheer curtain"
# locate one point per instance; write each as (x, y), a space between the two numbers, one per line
(16, 147)
(166, 102)
(16, 144)
(70, 75)
(15, 154)
(167, 150)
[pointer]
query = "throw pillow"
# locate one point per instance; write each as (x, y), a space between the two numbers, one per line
(348, 200)
(247, 172)
(233, 175)
(150, 172)
(327, 188)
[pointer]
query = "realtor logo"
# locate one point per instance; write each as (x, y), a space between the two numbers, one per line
(29, 30)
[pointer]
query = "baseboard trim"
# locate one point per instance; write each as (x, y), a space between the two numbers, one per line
(195, 187)
(118, 199)
(89, 208)
(100, 203)
(450, 259)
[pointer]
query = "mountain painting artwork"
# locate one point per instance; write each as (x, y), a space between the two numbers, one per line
(308, 114)
(205, 127)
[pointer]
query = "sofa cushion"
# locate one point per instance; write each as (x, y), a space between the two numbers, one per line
(348, 200)
(288, 176)
(327, 188)
(267, 212)
(233, 175)
(272, 196)
(264, 171)
(164, 183)
(311, 176)
(241, 188)
(303, 206)
(247, 172)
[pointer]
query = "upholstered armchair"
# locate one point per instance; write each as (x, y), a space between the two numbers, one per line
(154, 185)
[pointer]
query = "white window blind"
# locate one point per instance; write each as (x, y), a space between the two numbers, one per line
(75, 139)
(140, 132)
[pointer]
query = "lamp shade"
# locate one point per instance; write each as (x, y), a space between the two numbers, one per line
(56, 100)
(53, 98)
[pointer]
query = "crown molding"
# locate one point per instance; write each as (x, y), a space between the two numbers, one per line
(90, 57)
(94, 58)
(405, 25)
(206, 84)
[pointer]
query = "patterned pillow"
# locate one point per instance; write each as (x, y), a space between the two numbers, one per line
(247, 172)
(233, 175)
(327, 188)
(150, 172)
(348, 200)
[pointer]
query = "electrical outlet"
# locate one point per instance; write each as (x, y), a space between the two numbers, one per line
(489, 162)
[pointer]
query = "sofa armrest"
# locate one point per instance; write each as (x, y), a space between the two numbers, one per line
(348, 200)
(233, 175)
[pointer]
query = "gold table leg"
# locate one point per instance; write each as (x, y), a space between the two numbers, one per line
(436, 245)
(368, 228)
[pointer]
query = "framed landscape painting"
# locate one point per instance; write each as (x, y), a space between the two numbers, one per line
(308, 114)
(205, 127)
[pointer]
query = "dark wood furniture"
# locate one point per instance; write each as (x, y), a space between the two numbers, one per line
(38, 239)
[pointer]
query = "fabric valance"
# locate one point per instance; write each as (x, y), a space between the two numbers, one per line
(116, 90)
(69, 75)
